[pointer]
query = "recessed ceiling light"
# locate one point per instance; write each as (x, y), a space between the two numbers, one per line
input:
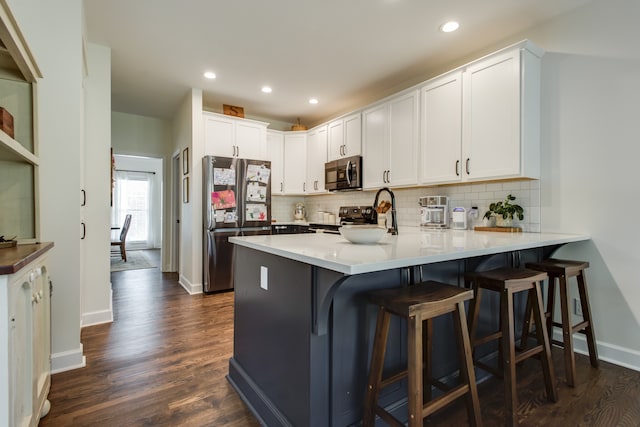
(313, 101)
(210, 75)
(449, 26)
(266, 89)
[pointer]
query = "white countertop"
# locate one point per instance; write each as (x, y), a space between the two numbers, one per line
(412, 246)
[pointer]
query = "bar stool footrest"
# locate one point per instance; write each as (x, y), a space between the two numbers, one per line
(529, 353)
(388, 418)
(393, 378)
(442, 401)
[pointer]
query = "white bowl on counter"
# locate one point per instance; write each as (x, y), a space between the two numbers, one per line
(363, 234)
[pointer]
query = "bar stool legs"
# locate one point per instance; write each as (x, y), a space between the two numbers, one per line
(509, 282)
(562, 270)
(419, 304)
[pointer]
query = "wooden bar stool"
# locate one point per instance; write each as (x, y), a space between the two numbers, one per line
(418, 303)
(509, 281)
(562, 270)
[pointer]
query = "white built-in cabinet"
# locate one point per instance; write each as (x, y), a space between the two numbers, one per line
(25, 373)
(275, 154)
(25, 346)
(390, 141)
(482, 121)
(228, 136)
(316, 158)
(295, 162)
(345, 137)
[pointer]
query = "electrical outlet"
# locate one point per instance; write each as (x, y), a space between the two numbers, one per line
(577, 307)
(264, 277)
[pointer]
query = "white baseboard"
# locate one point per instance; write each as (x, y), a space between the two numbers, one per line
(68, 360)
(99, 317)
(191, 288)
(611, 353)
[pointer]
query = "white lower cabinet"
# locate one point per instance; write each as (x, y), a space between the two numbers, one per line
(25, 373)
(390, 141)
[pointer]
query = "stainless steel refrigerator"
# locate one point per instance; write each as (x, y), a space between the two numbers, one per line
(237, 202)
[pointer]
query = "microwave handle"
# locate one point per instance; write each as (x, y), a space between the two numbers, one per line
(348, 172)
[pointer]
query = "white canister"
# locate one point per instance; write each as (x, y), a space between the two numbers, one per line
(459, 218)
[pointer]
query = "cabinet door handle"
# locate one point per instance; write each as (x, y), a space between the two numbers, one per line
(304, 186)
(237, 151)
(281, 187)
(388, 177)
(84, 197)
(457, 167)
(84, 230)
(467, 166)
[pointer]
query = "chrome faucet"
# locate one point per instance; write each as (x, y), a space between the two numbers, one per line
(394, 221)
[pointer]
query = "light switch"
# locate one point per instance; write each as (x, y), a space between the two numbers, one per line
(264, 277)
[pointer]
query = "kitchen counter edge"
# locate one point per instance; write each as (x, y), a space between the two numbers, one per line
(14, 259)
(318, 249)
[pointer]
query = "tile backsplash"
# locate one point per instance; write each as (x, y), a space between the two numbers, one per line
(527, 195)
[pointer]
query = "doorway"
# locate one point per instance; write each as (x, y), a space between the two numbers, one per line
(138, 192)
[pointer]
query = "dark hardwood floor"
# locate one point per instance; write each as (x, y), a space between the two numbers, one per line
(163, 361)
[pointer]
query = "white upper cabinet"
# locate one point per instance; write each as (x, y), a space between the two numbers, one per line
(501, 115)
(345, 137)
(441, 138)
(232, 137)
(295, 162)
(482, 121)
(275, 154)
(316, 158)
(390, 142)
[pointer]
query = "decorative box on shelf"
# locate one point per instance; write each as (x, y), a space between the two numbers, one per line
(6, 122)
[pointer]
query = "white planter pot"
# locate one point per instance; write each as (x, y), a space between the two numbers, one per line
(504, 222)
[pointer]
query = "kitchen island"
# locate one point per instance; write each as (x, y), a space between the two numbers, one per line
(303, 330)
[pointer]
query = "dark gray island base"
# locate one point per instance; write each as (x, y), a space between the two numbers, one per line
(302, 345)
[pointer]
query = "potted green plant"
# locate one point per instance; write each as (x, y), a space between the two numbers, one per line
(506, 211)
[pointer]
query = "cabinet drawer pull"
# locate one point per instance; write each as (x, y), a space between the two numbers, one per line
(84, 230)
(84, 198)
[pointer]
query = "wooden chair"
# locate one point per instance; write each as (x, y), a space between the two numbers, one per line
(507, 282)
(560, 271)
(123, 237)
(420, 304)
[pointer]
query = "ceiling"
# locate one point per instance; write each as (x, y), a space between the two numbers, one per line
(346, 53)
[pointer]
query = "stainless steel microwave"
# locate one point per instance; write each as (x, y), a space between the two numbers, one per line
(343, 174)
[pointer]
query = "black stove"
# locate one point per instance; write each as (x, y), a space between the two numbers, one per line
(348, 215)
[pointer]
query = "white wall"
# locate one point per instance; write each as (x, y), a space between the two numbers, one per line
(590, 152)
(136, 135)
(53, 31)
(188, 133)
(96, 304)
